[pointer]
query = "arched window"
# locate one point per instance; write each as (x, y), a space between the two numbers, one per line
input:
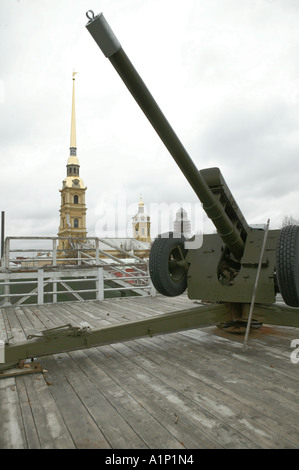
(76, 199)
(76, 223)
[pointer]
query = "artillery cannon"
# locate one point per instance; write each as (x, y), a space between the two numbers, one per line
(238, 270)
(225, 267)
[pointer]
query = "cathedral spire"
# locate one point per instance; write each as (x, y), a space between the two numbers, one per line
(73, 207)
(73, 162)
(73, 146)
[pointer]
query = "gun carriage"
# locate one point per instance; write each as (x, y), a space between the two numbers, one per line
(239, 270)
(224, 268)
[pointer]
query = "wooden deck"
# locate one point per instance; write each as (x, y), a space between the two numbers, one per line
(189, 390)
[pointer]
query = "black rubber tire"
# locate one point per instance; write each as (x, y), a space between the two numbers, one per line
(287, 264)
(167, 280)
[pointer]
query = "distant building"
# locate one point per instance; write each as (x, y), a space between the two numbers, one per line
(132, 247)
(72, 229)
(182, 224)
(141, 224)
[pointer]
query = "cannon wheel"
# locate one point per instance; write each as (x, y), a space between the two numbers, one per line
(167, 265)
(287, 264)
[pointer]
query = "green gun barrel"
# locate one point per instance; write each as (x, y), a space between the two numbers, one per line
(110, 46)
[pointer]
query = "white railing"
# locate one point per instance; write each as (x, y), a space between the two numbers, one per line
(47, 252)
(42, 275)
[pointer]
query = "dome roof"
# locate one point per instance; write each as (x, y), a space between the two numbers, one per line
(73, 182)
(73, 160)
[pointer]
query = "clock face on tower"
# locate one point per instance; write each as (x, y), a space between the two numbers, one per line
(76, 182)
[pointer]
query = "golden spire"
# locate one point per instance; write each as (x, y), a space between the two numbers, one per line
(140, 205)
(73, 123)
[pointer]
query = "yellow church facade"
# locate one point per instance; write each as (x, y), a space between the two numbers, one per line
(72, 230)
(73, 207)
(141, 224)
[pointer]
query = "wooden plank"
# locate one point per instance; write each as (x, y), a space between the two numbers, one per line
(32, 439)
(115, 310)
(33, 315)
(127, 375)
(101, 312)
(118, 312)
(25, 322)
(110, 316)
(12, 434)
(54, 314)
(15, 328)
(3, 332)
(38, 312)
(204, 421)
(114, 427)
(275, 344)
(184, 364)
(255, 362)
(84, 314)
(81, 425)
(8, 334)
(250, 384)
(150, 306)
(73, 313)
(197, 387)
(216, 432)
(167, 304)
(148, 428)
(281, 425)
(51, 428)
(133, 306)
(63, 313)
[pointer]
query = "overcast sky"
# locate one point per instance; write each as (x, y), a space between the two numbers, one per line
(224, 72)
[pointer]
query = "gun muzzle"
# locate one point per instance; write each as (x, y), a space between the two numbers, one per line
(102, 34)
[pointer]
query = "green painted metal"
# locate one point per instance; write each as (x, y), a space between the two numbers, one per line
(235, 240)
(223, 271)
(103, 35)
(69, 338)
(275, 314)
(205, 283)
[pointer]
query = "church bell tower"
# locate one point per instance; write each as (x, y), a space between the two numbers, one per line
(73, 208)
(141, 224)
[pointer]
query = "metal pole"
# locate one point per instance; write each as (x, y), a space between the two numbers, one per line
(54, 248)
(100, 284)
(256, 284)
(40, 286)
(2, 233)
